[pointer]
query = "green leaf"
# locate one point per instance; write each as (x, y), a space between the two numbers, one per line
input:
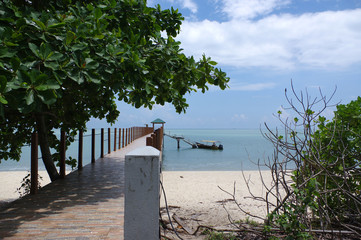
(10, 44)
(97, 13)
(91, 64)
(70, 36)
(309, 112)
(56, 56)
(56, 25)
(45, 51)
(51, 84)
(77, 47)
(40, 24)
(34, 49)
(29, 98)
(3, 100)
(99, 36)
(5, 52)
(48, 97)
(52, 65)
(76, 76)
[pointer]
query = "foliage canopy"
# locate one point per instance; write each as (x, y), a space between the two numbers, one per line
(337, 146)
(62, 62)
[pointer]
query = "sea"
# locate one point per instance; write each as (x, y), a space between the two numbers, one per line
(242, 150)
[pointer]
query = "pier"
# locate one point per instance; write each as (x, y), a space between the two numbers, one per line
(206, 145)
(87, 204)
(178, 138)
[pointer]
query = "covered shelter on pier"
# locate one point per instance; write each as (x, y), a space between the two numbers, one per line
(158, 121)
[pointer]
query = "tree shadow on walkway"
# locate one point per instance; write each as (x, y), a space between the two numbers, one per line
(71, 201)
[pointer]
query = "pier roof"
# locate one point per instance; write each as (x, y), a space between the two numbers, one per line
(158, 120)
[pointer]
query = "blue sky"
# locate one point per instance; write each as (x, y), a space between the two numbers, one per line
(262, 45)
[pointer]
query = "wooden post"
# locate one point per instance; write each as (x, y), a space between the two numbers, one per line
(115, 139)
(102, 143)
(161, 138)
(149, 141)
(93, 146)
(132, 130)
(109, 150)
(154, 140)
(120, 132)
(34, 164)
(126, 136)
(62, 153)
(123, 138)
(80, 150)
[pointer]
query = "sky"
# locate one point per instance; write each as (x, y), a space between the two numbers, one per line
(262, 45)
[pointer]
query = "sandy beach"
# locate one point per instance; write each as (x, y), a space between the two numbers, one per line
(194, 197)
(197, 197)
(11, 180)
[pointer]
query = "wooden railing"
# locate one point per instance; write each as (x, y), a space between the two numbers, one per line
(122, 136)
(156, 139)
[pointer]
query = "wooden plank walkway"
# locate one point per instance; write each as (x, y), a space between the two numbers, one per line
(87, 204)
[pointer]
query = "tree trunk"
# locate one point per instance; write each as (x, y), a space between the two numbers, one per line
(45, 148)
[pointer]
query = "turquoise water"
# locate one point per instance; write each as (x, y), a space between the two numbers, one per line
(242, 148)
(24, 163)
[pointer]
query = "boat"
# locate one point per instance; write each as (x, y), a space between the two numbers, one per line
(208, 144)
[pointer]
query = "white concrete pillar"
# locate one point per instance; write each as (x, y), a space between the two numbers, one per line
(141, 216)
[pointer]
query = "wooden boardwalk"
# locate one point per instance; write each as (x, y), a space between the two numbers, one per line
(87, 204)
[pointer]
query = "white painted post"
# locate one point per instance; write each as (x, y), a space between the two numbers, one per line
(141, 216)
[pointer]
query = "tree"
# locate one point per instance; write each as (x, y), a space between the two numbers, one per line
(316, 171)
(63, 62)
(337, 146)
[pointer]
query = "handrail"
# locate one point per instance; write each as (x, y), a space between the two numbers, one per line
(125, 137)
(156, 139)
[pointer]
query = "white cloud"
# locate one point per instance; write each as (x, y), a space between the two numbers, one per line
(192, 6)
(318, 40)
(189, 4)
(251, 87)
(248, 9)
(239, 117)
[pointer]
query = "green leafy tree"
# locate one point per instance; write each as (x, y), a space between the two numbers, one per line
(337, 146)
(63, 62)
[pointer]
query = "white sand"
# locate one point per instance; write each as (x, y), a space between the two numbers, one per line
(192, 196)
(197, 198)
(11, 180)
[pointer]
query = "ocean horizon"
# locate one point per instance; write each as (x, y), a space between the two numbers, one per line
(243, 148)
